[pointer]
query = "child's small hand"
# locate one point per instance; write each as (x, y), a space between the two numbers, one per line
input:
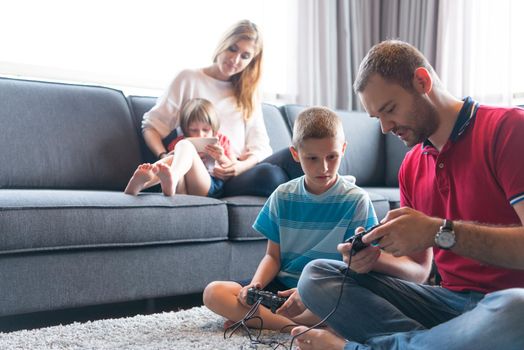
(242, 295)
(215, 151)
(293, 305)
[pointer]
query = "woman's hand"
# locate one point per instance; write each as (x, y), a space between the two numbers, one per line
(236, 167)
(230, 170)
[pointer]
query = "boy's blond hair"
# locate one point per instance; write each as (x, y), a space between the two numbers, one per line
(198, 110)
(317, 123)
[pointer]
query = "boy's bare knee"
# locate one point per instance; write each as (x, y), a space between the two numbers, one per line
(210, 293)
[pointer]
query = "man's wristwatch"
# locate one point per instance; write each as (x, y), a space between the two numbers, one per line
(445, 237)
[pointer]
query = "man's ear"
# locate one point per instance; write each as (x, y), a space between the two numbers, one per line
(422, 80)
(344, 146)
(294, 154)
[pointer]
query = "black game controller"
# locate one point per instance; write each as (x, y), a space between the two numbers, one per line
(356, 241)
(268, 299)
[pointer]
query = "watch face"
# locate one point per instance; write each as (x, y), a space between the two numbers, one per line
(446, 239)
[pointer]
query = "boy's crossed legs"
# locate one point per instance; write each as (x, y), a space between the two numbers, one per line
(221, 297)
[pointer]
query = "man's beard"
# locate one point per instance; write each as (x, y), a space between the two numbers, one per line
(425, 121)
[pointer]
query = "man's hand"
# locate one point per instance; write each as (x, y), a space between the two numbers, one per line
(364, 260)
(404, 231)
(293, 305)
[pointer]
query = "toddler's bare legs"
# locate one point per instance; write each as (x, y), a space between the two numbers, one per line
(143, 177)
(171, 172)
(186, 170)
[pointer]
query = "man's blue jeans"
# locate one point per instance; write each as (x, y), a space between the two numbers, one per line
(380, 312)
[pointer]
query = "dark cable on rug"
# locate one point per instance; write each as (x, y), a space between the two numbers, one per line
(322, 321)
(250, 315)
(253, 338)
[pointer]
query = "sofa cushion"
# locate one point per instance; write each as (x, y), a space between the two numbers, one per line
(277, 127)
(243, 210)
(365, 159)
(43, 220)
(391, 194)
(81, 137)
(395, 152)
(140, 105)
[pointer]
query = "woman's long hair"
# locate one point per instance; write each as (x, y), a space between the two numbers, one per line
(245, 83)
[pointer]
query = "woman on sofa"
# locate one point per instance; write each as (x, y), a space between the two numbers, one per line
(230, 83)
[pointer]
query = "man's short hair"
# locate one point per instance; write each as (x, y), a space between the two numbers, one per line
(318, 123)
(395, 61)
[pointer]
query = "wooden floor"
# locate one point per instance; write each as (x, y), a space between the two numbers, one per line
(91, 313)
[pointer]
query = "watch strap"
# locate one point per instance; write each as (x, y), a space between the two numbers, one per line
(447, 225)
(445, 237)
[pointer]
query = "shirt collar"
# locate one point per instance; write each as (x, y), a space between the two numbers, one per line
(466, 115)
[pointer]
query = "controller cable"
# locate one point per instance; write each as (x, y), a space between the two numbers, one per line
(250, 315)
(322, 321)
(253, 333)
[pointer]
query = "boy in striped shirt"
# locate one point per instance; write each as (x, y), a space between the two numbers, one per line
(304, 219)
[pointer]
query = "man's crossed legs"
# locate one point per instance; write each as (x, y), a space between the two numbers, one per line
(381, 312)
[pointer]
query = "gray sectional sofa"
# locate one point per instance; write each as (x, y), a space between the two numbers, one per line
(69, 237)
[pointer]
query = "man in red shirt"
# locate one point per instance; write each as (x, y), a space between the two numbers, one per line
(462, 201)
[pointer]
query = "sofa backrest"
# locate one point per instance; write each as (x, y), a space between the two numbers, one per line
(65, 136)
(140, 105)
(395, 152)
(277, 127)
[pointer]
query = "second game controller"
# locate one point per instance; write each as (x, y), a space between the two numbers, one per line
(356, 241)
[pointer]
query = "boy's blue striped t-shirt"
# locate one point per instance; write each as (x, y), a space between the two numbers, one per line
(308, 226)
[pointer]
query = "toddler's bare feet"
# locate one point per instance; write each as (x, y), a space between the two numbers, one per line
(318, 339)
(143, 174)
(168, 179)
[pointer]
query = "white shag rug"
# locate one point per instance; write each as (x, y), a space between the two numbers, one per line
(196, 328)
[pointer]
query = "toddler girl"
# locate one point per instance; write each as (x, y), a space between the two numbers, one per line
(184, 170)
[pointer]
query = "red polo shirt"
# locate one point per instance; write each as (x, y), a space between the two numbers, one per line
(477, 176)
